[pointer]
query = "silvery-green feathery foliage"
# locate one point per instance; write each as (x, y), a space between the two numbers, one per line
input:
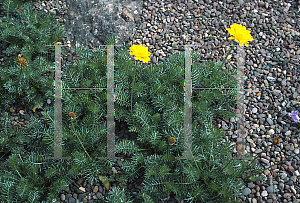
(27, 78)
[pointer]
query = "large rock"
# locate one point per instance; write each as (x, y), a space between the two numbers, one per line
(90, 23)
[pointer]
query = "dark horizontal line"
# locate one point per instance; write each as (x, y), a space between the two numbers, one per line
(98, 45)
(84, 88)
(214, 88)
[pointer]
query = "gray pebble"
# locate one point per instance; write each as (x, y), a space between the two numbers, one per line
(27, 116)
(246, 191)
(80, 197)
(72, 200)
(270, 121)
(251, 185)
(68, 196)
(270, 189)
(258, 151)
(266, 161)
(288, 133)
(62, 197)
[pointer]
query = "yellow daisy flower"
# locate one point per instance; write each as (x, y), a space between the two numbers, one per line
(141, 53)
(240, 34)
(21, 61)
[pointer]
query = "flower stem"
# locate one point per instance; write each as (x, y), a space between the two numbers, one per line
(227, 56)
(6, 41)
(80, 141)
(20, 76)
(132, 90)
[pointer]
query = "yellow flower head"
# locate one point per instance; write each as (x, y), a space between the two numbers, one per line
(141, 53)
(172, 140)
(240, 34)
(21, 9)
(57, 43)
(21, 61)
(72, 115)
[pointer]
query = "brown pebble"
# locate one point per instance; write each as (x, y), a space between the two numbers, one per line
(95, 189)
(79, 181)
(291, 46)
(12, 109)
(266, 172)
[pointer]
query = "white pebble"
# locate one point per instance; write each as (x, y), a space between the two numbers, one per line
(293, 190)
(256, 125)
(271, 132)
(264, 193)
